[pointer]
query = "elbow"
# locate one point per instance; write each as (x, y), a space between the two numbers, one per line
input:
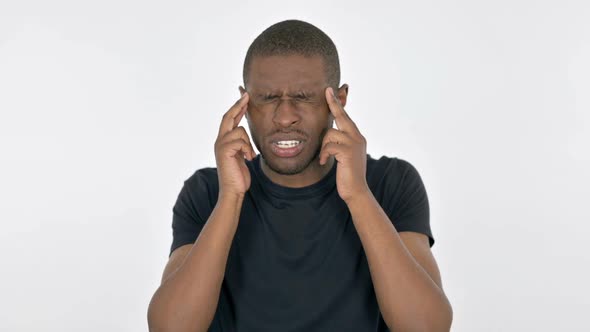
(438, 320)
(157, 319)
(444, 321)
(155, 323)
(441, 320)
(161, 320)
(447, 316)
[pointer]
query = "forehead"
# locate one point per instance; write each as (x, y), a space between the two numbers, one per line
(286, 73)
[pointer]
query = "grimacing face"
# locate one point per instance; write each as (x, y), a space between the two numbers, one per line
(287, 103)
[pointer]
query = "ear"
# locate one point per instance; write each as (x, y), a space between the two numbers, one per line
(343, 94)
(242, 91)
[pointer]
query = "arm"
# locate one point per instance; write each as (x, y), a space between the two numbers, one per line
(187, 298)
(405, 277)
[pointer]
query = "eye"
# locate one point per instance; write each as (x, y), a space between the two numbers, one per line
(268, 97)
(301, 96)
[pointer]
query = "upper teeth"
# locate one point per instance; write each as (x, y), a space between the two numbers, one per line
(287, 143)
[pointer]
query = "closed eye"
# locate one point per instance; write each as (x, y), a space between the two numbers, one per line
(269, 97)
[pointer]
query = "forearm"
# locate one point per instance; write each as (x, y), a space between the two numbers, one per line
(408, 297)
(187, 300)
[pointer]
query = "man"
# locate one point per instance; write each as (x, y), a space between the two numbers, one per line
(312, 234)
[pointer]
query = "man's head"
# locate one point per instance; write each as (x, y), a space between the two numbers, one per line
(286, 71)
(293, 37)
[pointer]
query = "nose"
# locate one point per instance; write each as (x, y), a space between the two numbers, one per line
(286, 114)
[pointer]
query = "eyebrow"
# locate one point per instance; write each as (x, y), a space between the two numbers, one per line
(307, 93)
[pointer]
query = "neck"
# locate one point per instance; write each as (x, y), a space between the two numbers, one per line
(312, 174)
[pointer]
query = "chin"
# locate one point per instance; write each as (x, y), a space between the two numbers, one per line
(288, 166)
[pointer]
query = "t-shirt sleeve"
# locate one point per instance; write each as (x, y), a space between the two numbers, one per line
(187, 222)
(407, 202)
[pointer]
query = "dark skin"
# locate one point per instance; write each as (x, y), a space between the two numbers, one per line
(404, 272)
(287, 95)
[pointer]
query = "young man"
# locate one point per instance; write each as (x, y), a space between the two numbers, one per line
(312, 234)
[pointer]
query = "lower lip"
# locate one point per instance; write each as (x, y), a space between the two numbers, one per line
(288, 152)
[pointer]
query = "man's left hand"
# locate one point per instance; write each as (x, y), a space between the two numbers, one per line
(349, 148)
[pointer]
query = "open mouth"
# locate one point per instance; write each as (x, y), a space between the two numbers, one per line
(287, 148)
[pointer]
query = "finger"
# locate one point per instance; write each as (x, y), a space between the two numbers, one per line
(241, 114)
(335, 136)
(238, 133)
(228, 122)
(332, 149)
(343, 121)
(232, 148)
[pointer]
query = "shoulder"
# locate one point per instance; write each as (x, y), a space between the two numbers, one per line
(205, 175)
(203, 183)
(398, 187)
(389, 169)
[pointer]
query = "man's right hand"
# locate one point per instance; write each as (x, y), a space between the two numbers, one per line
(231, 147)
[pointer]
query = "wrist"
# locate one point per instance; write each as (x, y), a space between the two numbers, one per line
(230, 197)
(360, 199)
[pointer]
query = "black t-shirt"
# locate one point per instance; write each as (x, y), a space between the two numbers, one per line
(296, 262)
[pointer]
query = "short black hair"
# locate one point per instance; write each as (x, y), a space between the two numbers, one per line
(294, 37)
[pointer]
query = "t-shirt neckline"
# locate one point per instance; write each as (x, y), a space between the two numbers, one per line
(325, 184)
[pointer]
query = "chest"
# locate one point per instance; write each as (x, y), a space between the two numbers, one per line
(298, 265)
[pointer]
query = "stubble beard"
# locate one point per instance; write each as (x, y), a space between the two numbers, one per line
(298, 167)
(292, 169)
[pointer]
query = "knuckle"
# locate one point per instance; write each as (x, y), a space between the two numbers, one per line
(239, 142)
(244, 134)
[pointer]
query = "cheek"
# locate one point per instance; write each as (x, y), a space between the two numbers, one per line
(252, 126)
(256, 123)
(253, 116)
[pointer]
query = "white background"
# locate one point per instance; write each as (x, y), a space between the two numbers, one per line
(106, 107)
